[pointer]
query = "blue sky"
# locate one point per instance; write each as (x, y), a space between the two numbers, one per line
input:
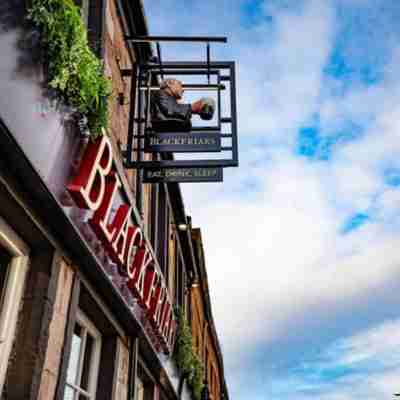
(302, 241)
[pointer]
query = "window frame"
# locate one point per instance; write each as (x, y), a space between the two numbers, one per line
(3, 278)
(93, 17)
(87, 325)
(13, 291)
(139, 388)
(163, 230)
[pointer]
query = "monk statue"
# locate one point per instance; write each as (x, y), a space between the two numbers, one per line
(169, 114)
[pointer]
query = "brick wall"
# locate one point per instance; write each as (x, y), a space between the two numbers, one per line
(56, 333)
(122, 371)
(116, 58)
(204, 344)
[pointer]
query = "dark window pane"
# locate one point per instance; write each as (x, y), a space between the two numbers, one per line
(4, 263)
(78, 330)
(87, 362)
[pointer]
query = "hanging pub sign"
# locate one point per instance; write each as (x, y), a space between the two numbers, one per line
(183, 142)
(166, 123)
(95, 188)
(181, 174)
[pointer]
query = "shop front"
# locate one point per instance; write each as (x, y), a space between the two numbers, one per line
(85, 309)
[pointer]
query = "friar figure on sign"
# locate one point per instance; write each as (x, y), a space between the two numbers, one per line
(169, 114)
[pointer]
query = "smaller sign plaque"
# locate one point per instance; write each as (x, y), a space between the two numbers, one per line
(192, 174)
(201, 142)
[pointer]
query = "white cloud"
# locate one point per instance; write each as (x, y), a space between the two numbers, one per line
(357, 167)
(283, 72)
(278, 256)
(279, 65)
(379, 344)
(373, 358)
(364, 365)
(277, 263)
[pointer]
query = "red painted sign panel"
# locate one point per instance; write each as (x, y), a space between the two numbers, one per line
(94, 188)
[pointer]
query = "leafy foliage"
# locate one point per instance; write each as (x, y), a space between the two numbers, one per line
(74, 70)
(195, 379)
(186, 359)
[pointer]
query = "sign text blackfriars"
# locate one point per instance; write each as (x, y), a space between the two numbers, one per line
(183, 142)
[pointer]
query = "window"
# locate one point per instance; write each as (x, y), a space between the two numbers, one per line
(84, 5)
(181, 283)
(139, 389)
(84, 360)
(170, 274)
(163, 230)
(13, 268)
(145, 383)
(92, 17)
(4, 267)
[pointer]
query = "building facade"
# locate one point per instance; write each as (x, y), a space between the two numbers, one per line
(204, 333)
(93, 262)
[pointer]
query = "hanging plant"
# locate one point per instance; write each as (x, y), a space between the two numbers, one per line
(74, 70)
(186, 359)
(195, 379)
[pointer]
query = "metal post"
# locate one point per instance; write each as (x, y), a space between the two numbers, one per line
(235, 155)
(191, 87)
(159, 59)
(194, 39)
(140, 131)
(208, 62)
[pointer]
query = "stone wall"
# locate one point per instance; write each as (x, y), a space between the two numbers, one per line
(116, 58)
(122, 371)
(204, 343)
(56, 333)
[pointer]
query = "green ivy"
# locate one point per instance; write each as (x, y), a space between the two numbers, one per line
(187, 361)
(195, 379)
(74, 70)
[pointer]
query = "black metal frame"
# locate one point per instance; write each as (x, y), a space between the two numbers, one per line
(225, 71)
(192, 39)
(148, 74)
